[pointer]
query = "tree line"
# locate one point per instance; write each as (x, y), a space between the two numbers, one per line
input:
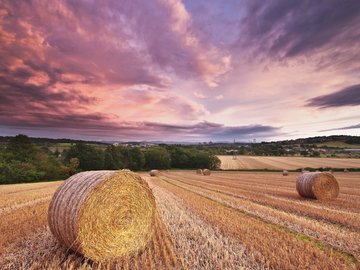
(23, 161)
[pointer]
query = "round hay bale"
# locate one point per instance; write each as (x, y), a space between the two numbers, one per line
(346, 170)
(199, 171)
(285, 173)
(317, 185)
(154, 173)
(103, 215)
(206, 172)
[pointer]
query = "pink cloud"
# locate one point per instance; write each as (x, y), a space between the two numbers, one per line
(199, 95)
(171, 61)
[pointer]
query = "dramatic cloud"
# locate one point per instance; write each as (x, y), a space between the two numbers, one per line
(217, 131)
(343, 128)
(349, 96)
(93, 126)
(166, 69)
(285, 29)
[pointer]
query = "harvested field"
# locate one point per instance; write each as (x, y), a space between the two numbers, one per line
(284, 163)
(228, 220)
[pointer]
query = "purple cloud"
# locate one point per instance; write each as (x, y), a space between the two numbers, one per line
(349, 96)
(343, 128)
(285, 29)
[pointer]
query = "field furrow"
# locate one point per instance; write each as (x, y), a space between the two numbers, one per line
(287, 163)
(260, 237)
(199, 245)
(340, 238)
(229, 220)
(40, 250)
(347, 219)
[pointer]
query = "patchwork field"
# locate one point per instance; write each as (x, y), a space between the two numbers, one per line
(284, 163)
(228, 220)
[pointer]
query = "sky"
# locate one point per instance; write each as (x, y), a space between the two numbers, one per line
(179, 70)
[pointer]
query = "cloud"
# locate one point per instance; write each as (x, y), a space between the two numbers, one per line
(74, 61)
(115, 45)
(286, 29)
(349, 96)
(96, 125)
(219, 97)
(207, 60)
(199, 95)
(343, 128)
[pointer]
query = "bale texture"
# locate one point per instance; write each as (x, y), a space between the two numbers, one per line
(154, 173)
(199, 171)
(285, 173)
(103, 215)
(317, 185)
(206, 172)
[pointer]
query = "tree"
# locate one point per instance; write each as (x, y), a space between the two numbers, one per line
(89, 157)
(22, 161)
(157, 158)
(215, 163)
(135, 159)
(179, 158)
(315, 154)
(114, 158)
(74, 165)
(21, 148)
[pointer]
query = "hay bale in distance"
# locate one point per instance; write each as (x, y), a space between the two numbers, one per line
(154, 173)
(285, 173)
(199, 171)
(317, 185)
(206, 172)
(346, 170)
(103, 215)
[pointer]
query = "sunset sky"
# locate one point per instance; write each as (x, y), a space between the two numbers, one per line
(180, 70)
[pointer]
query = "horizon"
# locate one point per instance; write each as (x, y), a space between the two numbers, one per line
(179, 70)
(175, 142)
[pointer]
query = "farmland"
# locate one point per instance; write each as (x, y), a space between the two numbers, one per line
(286, 163)
(229, 220)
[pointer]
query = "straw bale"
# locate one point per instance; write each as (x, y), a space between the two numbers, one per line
(154, 173)
(317, 185)
(206, 172)
(199, 171)
(285, 173)
(103, 215)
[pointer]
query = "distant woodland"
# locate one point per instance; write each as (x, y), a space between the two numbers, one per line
(21, 160)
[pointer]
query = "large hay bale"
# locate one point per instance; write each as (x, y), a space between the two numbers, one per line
(206, 172)
(285, 173)
(199, 171)
(154, 173)
(317, 185)
(103, 215)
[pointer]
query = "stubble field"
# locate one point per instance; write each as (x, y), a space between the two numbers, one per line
(228, 220)
(284, 163)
